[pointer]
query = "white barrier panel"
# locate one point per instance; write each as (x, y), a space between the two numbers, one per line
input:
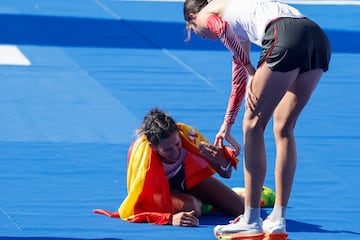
(11, 55)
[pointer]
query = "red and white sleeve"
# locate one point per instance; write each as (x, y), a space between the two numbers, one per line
(238, 87)
(228, 37)
(240, 59)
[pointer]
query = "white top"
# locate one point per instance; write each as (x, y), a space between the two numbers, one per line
(249, 18)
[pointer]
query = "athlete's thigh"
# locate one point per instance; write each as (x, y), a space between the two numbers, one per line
(290, 107)
(269, 87)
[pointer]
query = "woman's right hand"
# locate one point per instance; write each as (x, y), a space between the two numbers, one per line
(185, 219)
(225, 133)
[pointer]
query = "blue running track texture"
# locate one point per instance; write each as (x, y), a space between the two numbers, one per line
(97, 66)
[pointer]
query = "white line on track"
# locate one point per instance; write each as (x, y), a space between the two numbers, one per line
(164, 50)
(11, 220)
(106, 9)
(176, 59)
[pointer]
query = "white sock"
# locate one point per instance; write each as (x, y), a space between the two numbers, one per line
(251, 215)
(278, 212)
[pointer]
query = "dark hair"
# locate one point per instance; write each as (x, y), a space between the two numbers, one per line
(157, 125)
(193, 6)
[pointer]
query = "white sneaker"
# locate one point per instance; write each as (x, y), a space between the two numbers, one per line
(239, 227)
(277, 226)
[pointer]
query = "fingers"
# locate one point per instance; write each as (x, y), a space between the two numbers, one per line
(234, 144)
(219, 141)
(225, 133)
(185, 219)
(189, 220)
(250, 100)
(207, 147)
(207, 150)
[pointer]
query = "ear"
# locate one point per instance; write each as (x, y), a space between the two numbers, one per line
(192, 16)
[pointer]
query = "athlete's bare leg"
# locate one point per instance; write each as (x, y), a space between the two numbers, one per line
(269, 88)
(285, 117)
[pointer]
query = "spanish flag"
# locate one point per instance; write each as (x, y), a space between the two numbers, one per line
(149, 197)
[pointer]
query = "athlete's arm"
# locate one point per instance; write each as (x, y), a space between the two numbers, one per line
(240, 67)
(223, 31)
(238, 87)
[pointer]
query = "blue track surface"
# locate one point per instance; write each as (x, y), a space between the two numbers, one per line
(97, 66)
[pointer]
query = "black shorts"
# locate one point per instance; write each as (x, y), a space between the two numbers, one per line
(177, 182)
(291, 43)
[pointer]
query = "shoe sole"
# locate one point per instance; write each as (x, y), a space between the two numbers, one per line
(275, 236)
(257, 236)
(241, 236)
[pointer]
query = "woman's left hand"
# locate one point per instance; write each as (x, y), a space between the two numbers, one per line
(216, 158)
(213, 153)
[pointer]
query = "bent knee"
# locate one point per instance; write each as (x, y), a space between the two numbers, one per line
(252, 124)
(283, 130)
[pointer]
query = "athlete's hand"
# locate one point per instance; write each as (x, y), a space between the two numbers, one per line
(214, 154)
(250, 98)
(185, 219)
(225, 133)
(250, 69)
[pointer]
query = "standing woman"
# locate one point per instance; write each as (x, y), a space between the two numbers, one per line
(295, 54)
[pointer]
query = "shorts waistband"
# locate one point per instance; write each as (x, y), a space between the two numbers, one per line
(272, 22)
